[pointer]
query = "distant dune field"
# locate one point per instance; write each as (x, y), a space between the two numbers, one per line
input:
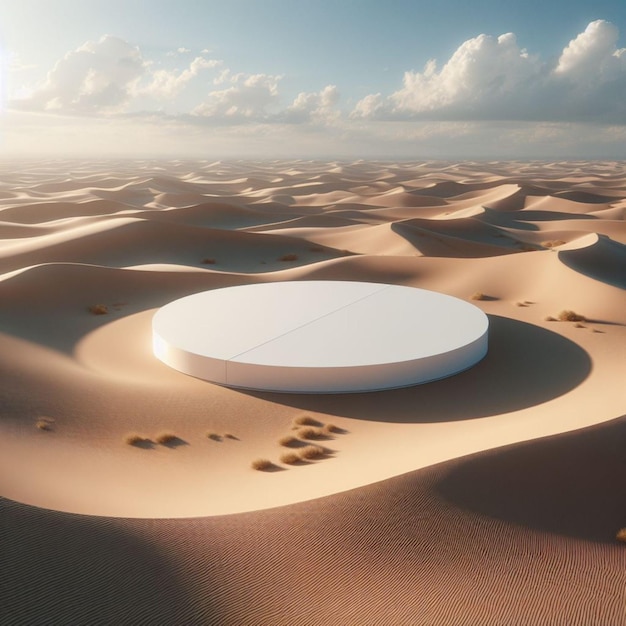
(128, 491)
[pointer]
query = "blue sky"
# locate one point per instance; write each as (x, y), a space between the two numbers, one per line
(314, 78)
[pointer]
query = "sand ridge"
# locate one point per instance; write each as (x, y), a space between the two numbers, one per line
(521, 240)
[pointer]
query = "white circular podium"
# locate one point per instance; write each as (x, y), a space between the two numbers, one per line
(320, 336)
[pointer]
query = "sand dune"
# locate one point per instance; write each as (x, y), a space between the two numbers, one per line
(469, 236)
(597, 256)
(223, 215)
(566, 204)
(404, 551)
(120, 242)
(492, 497)
(10, 231)
(49, 211)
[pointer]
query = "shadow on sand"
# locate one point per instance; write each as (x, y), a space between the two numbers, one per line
(570, 484)
(60, 568)
(526, 365)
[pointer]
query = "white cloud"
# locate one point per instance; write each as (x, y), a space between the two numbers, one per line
(481, 68)
(169, 83)
(319, 107)
(489, 92)
(222, 77)
(178, 51)
(99, 75)
(493, 78)
(250, 97)
(15, 65)
(593, 54)
(590, 77)
(370, 107)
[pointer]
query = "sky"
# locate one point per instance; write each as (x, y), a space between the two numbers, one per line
(341, 79)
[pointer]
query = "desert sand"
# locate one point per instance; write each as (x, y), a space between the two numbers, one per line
(491, 497)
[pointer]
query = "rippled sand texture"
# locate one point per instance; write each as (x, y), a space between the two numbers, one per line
(492, 497)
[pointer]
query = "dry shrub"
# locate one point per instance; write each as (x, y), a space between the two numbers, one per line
(479, 296)
(262, 465)
(213, 436)
(133, 439)
(312, 452)
(290, 458)
(621, 535)
(523, 304)
(306, 420)
(98, 309)
(45, 423)
(330, 429)
(229, 436)
(165, 438)
(579, 325)
(570, 316)
(288, 441)
(311, 432)
(289, 257)
(549, 318)
(209, 261)
(552, 243)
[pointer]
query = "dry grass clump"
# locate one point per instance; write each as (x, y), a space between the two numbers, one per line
(288, 441)
(478, 295)
(262, 465)
(579, 325)
(230, 436)
(214, 436)
(553, 243)
(45, 423)
(290, 458)
(133, 439)
(549, 318)
(570, 316)
(312, 452)
(307, 428)
(306, 420)
(209, 261)
(165, 438)
(311, 432)
(98, 309)
(621, 535)
(288, 257)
